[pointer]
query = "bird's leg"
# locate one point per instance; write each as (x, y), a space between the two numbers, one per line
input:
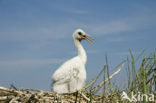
(76, 94)
(68, 85)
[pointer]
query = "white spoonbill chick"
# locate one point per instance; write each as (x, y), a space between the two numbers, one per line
(71, 75)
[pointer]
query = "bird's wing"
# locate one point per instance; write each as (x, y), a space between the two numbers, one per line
(67, 71)
(66, 77)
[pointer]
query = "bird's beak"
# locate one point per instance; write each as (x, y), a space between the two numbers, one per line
(86, 38)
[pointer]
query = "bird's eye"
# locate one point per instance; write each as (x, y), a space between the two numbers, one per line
(79, 33)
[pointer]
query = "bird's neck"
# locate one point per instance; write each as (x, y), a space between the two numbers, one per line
(81, 51)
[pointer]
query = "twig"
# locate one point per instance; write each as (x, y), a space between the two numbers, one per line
(84, 96)
(110, 77)
(6, 97)
(13, 87)
(90, 84)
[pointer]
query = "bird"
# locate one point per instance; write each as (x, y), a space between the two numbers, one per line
(71, 75)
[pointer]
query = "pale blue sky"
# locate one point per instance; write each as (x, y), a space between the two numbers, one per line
(36, 36)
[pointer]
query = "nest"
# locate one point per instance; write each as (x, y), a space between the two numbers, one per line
(12, 95)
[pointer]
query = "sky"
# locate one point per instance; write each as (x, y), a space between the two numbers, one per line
(36, 36)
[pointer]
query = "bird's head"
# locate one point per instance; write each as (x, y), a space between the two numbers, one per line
(79, 34)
